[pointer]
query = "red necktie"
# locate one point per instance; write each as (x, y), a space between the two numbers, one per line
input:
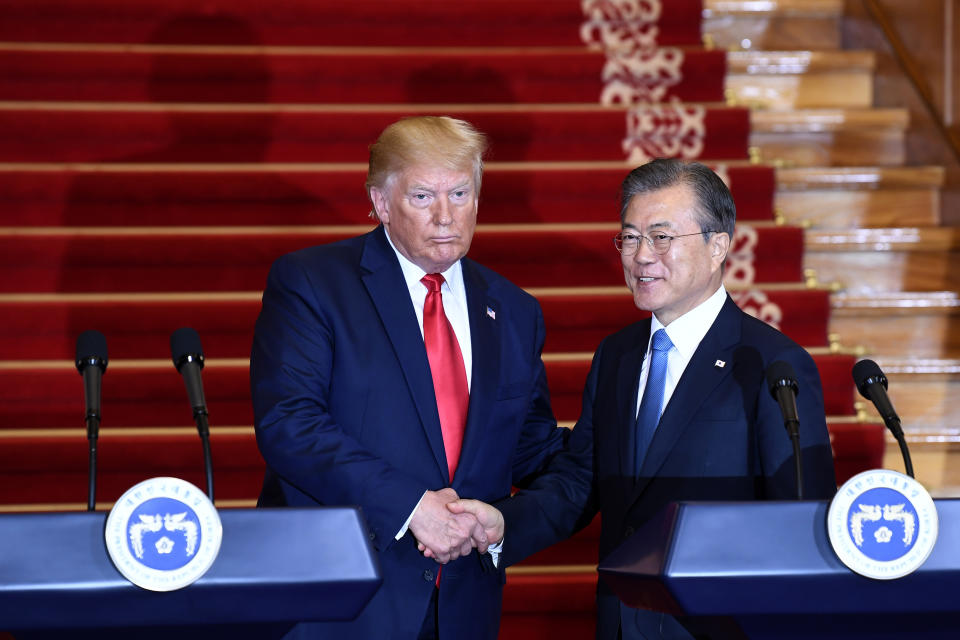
(447, 370)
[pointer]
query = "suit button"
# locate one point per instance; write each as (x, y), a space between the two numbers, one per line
(372, 536)
(627, 532)
(428, 575)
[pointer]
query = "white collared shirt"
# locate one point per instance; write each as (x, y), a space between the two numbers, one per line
(454, 294)
(686, 333)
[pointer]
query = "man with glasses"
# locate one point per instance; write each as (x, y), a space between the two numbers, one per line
(676, 406)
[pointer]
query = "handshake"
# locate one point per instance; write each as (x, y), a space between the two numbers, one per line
(447, 527)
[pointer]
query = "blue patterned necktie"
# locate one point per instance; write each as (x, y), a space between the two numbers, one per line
(649, 414)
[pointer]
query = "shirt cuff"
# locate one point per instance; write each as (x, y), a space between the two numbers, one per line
(406, 525)
(495, 550)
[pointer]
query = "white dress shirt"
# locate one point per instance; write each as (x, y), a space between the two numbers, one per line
(686, 333)
(454, 295)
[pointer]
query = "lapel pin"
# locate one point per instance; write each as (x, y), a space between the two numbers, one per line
(720, 364)
(491, 313)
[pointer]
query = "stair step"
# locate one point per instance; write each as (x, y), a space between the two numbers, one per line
(139, 325)
(157, 259)
(800, 79)
(924, 392)
(312, 22)
(52, 466)
(848, 197)
(47, 470)
(48, 394)
(831, 137)
(870, 261)
(935, 454)
(112, 194)
(922, 324)
(198, 133)
(89, 132)
(351, 75)
(422, 75)
(785, 24)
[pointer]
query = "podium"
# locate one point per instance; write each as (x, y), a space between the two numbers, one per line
(763, 570)
(275, 567)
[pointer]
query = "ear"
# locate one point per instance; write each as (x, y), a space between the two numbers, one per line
(379, 200)
(719, 246)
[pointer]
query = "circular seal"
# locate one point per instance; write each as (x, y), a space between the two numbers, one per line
(163, 534)
(882, 524)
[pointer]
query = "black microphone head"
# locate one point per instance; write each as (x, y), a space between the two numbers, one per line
(185, 347)
(865, 373)
(91, 350)
(781, 374)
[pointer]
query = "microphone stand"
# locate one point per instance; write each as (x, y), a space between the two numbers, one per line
(203, 428)
(793, 428)
(894, 426)
(784, 388)
(93, 428)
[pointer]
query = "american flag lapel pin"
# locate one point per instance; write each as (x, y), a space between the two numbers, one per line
(719, 364)
(491, 313)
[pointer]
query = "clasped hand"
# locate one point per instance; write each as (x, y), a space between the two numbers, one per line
(447, 527)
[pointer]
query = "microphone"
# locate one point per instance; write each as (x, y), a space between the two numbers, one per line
(872, 385)
(188, 359)
(784, 388)
(91, 361)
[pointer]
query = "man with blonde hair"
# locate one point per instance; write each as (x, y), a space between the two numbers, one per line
(391, 372)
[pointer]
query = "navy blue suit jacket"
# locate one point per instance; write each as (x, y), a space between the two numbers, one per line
(720, 437)
(345, 414)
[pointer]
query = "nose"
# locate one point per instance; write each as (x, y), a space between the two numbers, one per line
(644, 253)
(442, 212)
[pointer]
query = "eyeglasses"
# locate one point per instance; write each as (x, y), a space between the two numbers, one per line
(659, 243)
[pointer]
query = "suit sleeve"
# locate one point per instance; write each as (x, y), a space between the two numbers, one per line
(291, 370)
(561, 500)
(540, 437)
(776, 451)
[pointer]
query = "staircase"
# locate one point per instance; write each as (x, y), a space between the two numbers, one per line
(156, 157)
(872, 220)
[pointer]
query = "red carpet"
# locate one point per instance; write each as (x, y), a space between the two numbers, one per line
(437, 23)
(170, 261)
(343, 134)
(126, 195)
(513, 76)
(151, 394)
(46, 330)
(122, 462)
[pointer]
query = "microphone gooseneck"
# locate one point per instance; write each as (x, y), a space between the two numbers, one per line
(188, 358)
(872, 385)
(91, 361)
(784, 388)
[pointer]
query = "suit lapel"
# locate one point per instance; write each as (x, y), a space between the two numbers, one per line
(698, 381)
(628, 386)
(485, 349)
(384, 281)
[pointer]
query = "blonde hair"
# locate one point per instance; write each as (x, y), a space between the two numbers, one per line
(431, 140)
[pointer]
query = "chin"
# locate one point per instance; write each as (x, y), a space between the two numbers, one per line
(642, 303)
